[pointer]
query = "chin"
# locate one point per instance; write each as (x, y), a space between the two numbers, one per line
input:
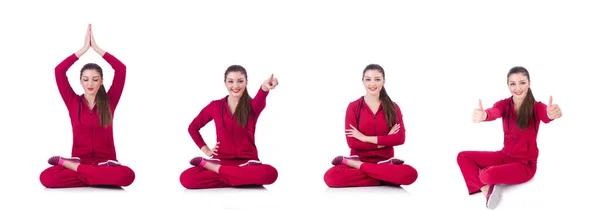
(519, 97)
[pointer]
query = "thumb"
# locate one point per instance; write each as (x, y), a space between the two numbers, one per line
(480, 105)
(550, 102)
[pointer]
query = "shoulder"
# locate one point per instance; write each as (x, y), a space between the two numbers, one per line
(217, 103)
(398, 110)
(539, 105)
(503, 102)
(355, 103)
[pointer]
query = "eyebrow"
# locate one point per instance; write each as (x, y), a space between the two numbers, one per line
(524, 80)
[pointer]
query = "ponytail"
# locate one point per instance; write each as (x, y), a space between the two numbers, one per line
(103, 106)
(526, 110)
(242, 110)
(389, 109)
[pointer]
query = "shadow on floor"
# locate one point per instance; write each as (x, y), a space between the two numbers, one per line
(104, 188)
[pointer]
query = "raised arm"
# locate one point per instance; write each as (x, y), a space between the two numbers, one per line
(397, 138)
(259, 102)
(204, 117)
(353, 142)
(62, 81)
(116, 88)
(60, 71)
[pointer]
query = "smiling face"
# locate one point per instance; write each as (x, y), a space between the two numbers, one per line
(235, 82)
(518, 85)
(373, 81)
(91, 80)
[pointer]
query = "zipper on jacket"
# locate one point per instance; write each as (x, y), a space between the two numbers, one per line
(93, 156)
(233, 138)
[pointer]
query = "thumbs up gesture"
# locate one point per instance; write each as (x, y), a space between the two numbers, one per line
(479, 114)
(270, 83)
(553, 110)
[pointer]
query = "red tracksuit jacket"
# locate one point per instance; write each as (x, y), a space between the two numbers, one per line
(518, 143)
(371, 124)
(235, 142)
(92, 143)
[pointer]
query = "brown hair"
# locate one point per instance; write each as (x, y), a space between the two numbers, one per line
(242, 110)
(389, 109)
(526, 110)
(102, 103)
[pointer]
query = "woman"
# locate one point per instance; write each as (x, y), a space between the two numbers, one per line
(516, 162)
(374, 126)
(234, 160)
(93, 160)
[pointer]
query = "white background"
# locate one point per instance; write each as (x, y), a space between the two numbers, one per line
(439, 57)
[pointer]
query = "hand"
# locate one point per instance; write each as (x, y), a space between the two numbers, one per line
(93, 43)
(479, 114)
(355, 133)
(86, 43)
(270, 83)
(394, 129)
(213, 151)
(553, 110)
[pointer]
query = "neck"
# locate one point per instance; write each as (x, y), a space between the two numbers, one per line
(90, 99)
(518, 103)
(233, 100)
(372, 98)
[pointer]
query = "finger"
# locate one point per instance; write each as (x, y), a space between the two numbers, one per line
(352, 127)
(480, 105)
(550, 101)
(271, 78)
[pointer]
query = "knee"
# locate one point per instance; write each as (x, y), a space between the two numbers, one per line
(461, 156)
(186, 179)
(332, 178)
(271, 174)
(128, 176)
(48, 178)
(410, 176)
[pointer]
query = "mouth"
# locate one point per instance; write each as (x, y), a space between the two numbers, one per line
(235, 91)
(90, 89)
(518, 93)
(373, 89)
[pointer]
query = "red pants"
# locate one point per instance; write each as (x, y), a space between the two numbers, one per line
(481, 168)
(370, 174)
(229, 175)
(87, 175)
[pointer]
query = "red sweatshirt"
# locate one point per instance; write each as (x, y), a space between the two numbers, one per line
(373, 125)
(91, 142)
(518, 143)
(235, 141)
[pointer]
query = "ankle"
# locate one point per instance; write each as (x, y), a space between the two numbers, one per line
(203, 163)
(60, 161)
